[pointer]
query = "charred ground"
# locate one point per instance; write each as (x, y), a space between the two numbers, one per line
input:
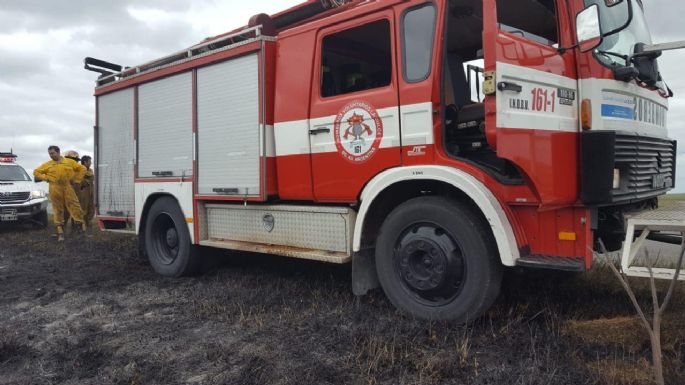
(91, 311)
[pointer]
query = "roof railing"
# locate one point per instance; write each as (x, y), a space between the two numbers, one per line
(208, 46)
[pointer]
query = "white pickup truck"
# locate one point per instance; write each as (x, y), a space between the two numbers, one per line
(20, 198)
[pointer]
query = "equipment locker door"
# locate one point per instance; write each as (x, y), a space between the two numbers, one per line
(354, 124)
(228, 128)
(532, 105)
(115, 154)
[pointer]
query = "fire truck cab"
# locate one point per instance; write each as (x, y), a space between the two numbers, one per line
(429, 143)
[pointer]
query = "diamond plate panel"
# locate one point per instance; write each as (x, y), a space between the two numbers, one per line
(670, 212)
(318, 228)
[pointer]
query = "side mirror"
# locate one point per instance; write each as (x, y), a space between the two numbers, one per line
(588, 28)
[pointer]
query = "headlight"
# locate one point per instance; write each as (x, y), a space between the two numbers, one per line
(38, 194)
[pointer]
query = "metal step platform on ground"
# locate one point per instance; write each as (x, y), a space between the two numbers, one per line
(669, 219)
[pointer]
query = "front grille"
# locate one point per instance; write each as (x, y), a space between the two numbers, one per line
(647, 166)
(14, 197)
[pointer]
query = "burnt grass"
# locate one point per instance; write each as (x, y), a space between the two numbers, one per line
(91, 311)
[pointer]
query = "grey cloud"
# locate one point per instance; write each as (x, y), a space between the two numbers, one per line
(41, 15)
(46, 97)
(665, 20)
(139, 42)
(20, 65)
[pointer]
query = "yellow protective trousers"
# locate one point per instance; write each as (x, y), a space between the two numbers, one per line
(86, 196)
(62, 196)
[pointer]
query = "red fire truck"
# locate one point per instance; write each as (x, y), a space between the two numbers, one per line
(429, 143)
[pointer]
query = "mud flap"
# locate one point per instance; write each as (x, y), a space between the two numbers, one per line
(364, 276)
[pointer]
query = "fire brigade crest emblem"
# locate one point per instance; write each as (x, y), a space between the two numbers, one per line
(358, 131)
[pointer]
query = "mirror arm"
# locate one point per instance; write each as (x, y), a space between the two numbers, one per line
(656, 49)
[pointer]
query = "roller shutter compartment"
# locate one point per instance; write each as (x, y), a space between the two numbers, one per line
(165, 147)
(115, 154)
(229, 129)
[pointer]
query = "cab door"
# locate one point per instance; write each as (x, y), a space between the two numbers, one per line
(354, 126)
(532, 103)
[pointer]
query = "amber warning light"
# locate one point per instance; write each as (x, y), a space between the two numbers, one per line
(586, 114)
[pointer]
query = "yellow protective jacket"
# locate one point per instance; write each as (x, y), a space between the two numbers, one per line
(63, 172)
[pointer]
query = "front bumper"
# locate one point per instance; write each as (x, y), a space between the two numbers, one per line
(22, 211)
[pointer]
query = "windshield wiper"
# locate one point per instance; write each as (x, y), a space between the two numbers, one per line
(609, 53)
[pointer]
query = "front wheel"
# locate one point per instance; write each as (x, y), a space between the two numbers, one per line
(167, 240)
(436, 259)
(40, 220)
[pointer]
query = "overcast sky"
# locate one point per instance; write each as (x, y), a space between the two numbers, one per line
(46, 95)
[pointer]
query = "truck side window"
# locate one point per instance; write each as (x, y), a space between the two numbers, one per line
(356, 59)
(418, 31)
(534, 20)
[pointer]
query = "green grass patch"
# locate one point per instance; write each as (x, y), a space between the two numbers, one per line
(672, 197)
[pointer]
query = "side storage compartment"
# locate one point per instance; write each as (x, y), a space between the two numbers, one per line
(235, 126)
(308, 232)
(229, 131)
(165, 120)
(115, 155)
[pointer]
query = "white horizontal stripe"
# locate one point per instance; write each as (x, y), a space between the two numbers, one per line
(269, 141)
(593, 88)
(417, 124)
(292, 138)
(516, 109)
(325, 142)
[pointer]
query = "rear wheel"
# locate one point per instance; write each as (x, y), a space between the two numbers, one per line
(167, 240)
(436, 259)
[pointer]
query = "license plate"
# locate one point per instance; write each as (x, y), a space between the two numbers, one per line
(8, 215)
(660, 181)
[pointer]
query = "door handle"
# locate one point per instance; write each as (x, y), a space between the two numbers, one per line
(508, 86)
(317, 131)
(223, 190)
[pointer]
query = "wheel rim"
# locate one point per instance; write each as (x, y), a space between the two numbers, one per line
(429, 263)
(165, 241)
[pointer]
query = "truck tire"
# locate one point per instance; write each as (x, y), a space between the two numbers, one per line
(436, 259)
(167, 240)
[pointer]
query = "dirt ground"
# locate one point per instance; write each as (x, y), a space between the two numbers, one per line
(91, 311)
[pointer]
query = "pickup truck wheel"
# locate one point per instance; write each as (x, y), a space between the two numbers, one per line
(436, 259)
(167, 240)
(40, 220)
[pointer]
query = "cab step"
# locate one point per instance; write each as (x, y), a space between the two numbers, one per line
(574, 264)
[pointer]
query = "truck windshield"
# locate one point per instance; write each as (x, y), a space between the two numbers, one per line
(13, 174)
(621, 43)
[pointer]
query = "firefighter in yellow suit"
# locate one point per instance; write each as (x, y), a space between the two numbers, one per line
(60, 173)
(85, 192)
(73, 155)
